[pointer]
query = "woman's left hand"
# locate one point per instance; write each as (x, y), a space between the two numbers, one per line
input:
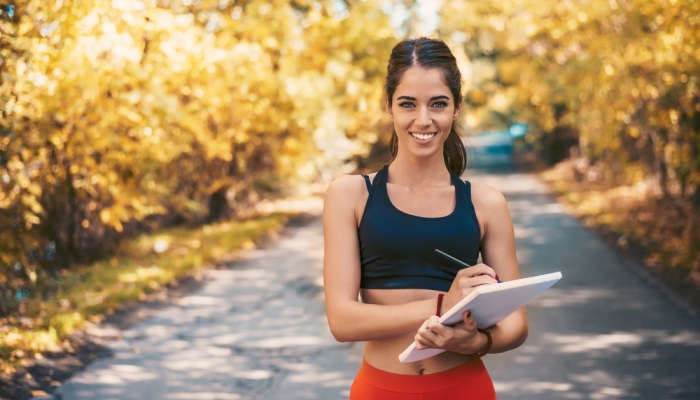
(461, 338)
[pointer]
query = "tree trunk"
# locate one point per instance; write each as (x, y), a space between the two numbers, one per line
(691, 230)
(663, 176)
(69, 242)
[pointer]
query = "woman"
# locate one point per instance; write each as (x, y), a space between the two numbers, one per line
(380, 232)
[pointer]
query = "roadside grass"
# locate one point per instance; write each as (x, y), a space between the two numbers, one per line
(142, 265)
(637, 219)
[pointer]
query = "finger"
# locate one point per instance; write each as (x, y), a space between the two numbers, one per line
(467, 285)
(481, 269)
(424, 344)
(424, 325)
(487, 270)
(433, 324)
(468, 320)
(467, 317)
(467, 314)
(469, 324)
(424, 340)
(476, 280)
(439, 329)
(480, 280)
(427, 334)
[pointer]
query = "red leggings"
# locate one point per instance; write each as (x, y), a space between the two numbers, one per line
(467, 381)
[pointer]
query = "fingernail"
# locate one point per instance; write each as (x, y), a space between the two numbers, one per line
(497, 278)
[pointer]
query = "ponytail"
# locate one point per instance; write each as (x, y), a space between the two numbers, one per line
(454, 153)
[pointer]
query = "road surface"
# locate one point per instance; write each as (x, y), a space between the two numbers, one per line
(257, 330)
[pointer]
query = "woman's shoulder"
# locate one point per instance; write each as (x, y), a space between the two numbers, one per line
(346, 183)
(350, 182)
(347, 189)
(487, 197)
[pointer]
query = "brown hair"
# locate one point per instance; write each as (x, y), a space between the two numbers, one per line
(429, 53)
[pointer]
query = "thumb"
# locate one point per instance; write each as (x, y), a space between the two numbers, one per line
(466, 314)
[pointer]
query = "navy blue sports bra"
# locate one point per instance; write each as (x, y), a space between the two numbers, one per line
(397, 248)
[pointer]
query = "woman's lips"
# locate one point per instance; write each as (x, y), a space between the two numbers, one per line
(423, 136)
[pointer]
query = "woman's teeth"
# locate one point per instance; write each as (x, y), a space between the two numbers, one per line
(422, 136)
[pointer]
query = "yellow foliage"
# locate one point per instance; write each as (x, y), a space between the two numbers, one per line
(476, 97)
(116, 111)
(622, 75)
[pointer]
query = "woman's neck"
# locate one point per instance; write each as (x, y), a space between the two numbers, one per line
(419, 172)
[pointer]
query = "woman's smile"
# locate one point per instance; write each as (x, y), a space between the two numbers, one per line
(423, 137)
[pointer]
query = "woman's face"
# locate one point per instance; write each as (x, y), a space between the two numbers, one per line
(423, 110)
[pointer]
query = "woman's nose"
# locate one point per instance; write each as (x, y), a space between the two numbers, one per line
(423, 117)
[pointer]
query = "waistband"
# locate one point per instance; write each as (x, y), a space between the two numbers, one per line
(462, 374)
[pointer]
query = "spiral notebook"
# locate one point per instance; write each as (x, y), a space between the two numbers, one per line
(488, 304)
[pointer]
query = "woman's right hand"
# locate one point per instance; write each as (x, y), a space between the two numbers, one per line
(465, 281)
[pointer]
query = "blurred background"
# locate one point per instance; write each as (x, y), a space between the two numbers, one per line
(123, 117)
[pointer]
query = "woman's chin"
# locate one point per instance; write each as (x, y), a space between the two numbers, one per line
(425, 151)
(425, 148)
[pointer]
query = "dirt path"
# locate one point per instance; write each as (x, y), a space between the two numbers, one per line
(258, 330)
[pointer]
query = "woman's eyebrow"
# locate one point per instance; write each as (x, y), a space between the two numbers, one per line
(441, 97)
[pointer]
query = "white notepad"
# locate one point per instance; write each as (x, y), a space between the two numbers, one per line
(488, 304)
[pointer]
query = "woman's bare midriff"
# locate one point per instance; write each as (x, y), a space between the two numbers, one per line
(383, 354)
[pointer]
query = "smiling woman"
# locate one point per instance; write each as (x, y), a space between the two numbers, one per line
(380, 232)
(420, 92)
(427, 118)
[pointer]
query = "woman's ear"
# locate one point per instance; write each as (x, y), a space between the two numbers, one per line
(457, 110)
(388, 108)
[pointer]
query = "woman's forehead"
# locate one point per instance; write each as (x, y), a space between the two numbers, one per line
(421, 82)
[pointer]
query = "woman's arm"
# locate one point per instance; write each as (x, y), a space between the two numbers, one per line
(498, 252)
(348, 318)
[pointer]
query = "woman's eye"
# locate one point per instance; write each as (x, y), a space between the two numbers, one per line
(440, 104)
(406, 105)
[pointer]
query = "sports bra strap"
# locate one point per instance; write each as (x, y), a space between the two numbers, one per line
(368, 183)
(468, 190)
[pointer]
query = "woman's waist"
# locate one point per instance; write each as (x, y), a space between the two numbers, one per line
(396, 296)
(384, 355)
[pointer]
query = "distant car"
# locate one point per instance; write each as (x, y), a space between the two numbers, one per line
(493, 148)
